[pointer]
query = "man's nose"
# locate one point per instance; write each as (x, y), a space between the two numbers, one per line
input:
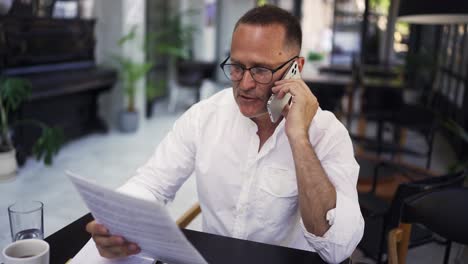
(247, 81)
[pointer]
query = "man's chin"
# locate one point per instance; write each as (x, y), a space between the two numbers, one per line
(252, 110)
(249, 114)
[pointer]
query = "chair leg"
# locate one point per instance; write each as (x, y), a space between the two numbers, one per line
(382, 241)
(374, 179)
(402, 138)
(447, 252)
(429, 152)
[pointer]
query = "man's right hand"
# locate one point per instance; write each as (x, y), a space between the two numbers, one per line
(110, 246)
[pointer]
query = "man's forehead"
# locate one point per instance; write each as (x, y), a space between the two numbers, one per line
(254, 60)
(259, 45)
(275, 32)
(250, 58)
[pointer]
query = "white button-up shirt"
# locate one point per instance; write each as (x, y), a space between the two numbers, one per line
(250, 194)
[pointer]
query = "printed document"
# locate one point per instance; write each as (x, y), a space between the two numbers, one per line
(90, 255)
(145, 223)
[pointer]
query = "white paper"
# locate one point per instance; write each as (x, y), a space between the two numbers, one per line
(145, 223)
(90, 255)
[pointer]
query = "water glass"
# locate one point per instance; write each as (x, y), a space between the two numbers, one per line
(26, 220)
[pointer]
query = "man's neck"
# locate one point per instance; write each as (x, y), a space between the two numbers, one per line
(265, 128)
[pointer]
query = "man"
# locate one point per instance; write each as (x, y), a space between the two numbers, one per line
(290, 183)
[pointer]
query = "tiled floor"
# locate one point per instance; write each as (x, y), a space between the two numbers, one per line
(110, 159)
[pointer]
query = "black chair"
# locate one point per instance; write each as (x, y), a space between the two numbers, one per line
(382, 102)
(442, 211)
(420, 119)
(381, 216)
(402, 121)
(378, 105)
(189, 75)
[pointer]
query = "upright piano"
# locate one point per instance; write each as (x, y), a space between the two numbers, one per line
(57, 57)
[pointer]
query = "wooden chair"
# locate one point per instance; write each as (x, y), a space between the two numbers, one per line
(443, 212)
(381, 216)
(188, 216)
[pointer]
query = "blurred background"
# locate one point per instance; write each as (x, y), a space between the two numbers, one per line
(94, 85)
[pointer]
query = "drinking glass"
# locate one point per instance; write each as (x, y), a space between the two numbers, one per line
(26, 220)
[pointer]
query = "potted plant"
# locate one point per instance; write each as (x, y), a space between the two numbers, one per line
(130, 73)
(459, 132)
(313, 56)
(14, 91)
(167, 45)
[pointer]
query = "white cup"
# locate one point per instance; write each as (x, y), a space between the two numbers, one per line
(27, 251)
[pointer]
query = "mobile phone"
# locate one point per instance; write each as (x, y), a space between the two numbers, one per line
(275, 106)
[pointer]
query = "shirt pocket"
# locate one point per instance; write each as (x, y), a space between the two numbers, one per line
(277, 196)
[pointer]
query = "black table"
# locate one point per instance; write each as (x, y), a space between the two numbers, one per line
(382, 71)
(328, 88)
(65, 243)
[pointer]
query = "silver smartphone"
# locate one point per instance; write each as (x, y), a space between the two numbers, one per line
(275, 106)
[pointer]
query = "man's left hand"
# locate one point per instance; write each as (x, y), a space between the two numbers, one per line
(301, 111)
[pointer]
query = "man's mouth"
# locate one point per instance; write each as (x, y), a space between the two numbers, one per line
(248, 98)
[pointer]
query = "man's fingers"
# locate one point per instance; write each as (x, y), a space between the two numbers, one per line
(110, 246)
(124, 250)
(133, 248)
(90, 227)
(294, 88)
(112, 252)
(96, 229)
(280, 91)
(108, 241)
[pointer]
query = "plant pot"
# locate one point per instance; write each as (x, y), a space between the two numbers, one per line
(8, 165)
(128, 121)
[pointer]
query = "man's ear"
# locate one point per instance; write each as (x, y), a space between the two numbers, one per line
(300, 63)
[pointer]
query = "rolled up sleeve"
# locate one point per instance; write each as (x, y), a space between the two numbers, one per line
(340, 240)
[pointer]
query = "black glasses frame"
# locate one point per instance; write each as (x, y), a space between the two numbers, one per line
(222, 64)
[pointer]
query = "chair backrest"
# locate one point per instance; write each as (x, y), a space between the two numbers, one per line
(189, 215)
(429, 184)
(445, 212)
(442, 211)
(192, 73)
(382, 101)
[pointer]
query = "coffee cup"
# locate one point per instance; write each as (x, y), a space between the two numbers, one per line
(27, 251)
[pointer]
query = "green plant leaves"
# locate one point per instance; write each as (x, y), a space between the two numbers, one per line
(13, 92)
(176, 37)
(461, 133)
(171, 50)
(48, 144)
(314, 56)
(130, 73)
(456, 129)
(128, 37)
(155, 88)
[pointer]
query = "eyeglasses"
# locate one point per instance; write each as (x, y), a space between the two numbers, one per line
(235, 72)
